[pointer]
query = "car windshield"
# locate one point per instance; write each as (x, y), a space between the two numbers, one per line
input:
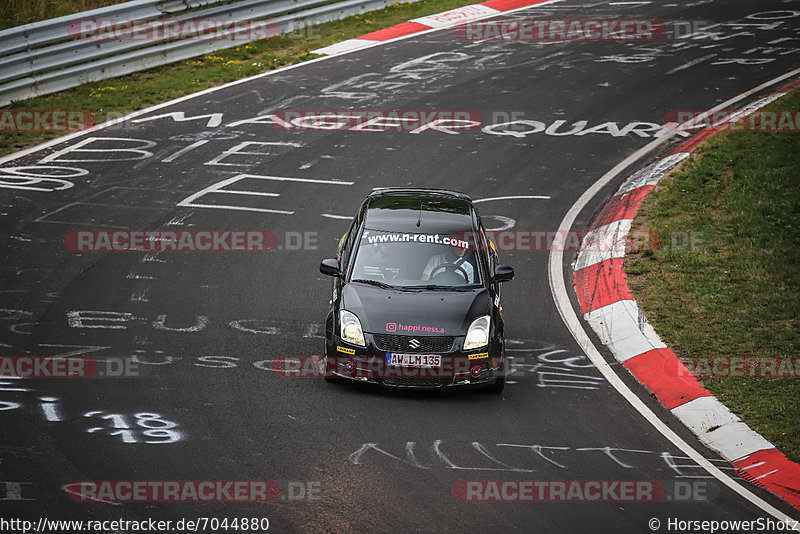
(403, 259)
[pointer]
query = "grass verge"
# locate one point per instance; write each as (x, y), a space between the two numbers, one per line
(735, 290)
(19, 12)
(115, 97)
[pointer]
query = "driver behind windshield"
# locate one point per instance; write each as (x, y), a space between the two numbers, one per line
(379, 263)
(455, 255)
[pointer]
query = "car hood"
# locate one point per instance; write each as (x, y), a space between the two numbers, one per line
(420, 313)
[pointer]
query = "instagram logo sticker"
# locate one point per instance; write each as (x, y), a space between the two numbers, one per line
(391, 327)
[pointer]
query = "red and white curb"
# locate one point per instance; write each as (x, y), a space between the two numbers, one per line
(440, 20)
(608, 306)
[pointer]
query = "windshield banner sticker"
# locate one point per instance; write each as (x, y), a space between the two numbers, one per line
(414, 238)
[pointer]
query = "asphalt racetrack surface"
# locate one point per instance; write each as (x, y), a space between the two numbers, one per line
(201, 329)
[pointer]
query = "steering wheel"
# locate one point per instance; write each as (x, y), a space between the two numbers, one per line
(449, 267)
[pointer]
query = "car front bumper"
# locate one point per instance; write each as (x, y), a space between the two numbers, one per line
(459, 368)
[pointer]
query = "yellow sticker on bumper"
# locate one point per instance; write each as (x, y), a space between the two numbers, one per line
(479, 356)
(346, 350)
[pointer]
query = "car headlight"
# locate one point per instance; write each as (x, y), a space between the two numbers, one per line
(351, 328)
(478, 333)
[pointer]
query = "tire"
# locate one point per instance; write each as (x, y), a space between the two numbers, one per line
(497, 387)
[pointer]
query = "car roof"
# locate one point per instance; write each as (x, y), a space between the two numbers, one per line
(419, 211)
(414, 191)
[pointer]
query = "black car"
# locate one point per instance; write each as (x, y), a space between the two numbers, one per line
(416, 295)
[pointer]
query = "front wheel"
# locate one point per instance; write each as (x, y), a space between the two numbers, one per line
(497, 387)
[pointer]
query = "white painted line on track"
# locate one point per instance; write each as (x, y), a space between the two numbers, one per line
(558, 288)
(555, 273)
(289, 179)
(183, 151)
(691, 63)
(119, 120)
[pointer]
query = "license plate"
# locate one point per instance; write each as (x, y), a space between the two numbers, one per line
(414, 360)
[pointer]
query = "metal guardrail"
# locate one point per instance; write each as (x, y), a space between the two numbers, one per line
(48, 56)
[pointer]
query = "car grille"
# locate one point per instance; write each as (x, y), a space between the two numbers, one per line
(426, 344)
(428, 382)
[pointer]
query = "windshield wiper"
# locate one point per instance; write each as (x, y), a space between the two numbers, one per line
(437, 287)
(384, 285)
(373, 283)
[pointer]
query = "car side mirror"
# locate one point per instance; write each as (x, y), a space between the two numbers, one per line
(503, 273)
(330, 267)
